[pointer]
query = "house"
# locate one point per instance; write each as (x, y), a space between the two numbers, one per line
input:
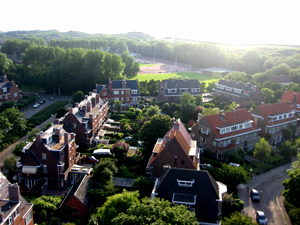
(197, 190)
(226, 131)
(9, 91)
(293, 98)
(211, 70)
(282, 79)
(236, 91)
(273, 119)
(87, 119)
(79, 197)
(126, 91)
(14, 208)
(176, 149)
(172, 90)
(50, 161)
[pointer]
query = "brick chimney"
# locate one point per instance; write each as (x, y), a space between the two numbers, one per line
(66, 137)
(97, 98)
(95, 90)
(166, 85)
(199, 117)
(76, 104)
(38, 138)
(14, 192)
(172, 121)
(57, 121)
(166, 138)
(91, 120)
(93, 101)
(294, 98)
(86, 97)
(89, 106)
(71, 110)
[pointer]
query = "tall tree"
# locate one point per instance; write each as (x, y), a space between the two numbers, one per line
(262, 150)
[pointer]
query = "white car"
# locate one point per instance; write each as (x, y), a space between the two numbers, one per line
(261, 218)
(36, 105)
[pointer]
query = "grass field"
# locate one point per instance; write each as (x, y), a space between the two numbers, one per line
(179, 75)
(148, 65)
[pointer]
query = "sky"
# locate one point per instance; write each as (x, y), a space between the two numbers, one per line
(230, 22)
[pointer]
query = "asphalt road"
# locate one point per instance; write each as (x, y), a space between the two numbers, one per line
(269, 186)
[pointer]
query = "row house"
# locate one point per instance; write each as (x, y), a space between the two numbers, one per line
(127, 91)
(87, 119)
(50, 161)
(14, 209)
(172, 90)
(282, 79)
(238, 92)
(9, 91)
(293, 98)
(226, 131)
(273, 118)
(197, 190)
(176, 149)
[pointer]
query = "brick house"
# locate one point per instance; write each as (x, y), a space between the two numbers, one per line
(282, 79)
(172, 90)
(14, 208)
(9, 91)
(79, 197)
(224, 132)
(126, 91)
(50, 161)
(176, 149)
(273, 118)
(197, 190)
(87, 119)
(293, 98)
(241, 93)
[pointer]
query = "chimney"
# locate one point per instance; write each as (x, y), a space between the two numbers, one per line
(14, 192)
(294, 98)
(172, 121)
(95, 90)
(176, 124)
(57, 121)
(76, 104)
(96, 86)
(90, 93)
(71, 110)
(166, 138)
(166, 85)
(233, 110)
(86, 97)
(89, 106)
(199, 117)
(38, 137)
(66, 137)
(124, 84)
(222, 115)
(97, 98)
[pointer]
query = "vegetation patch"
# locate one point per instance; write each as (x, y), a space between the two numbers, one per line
(148, 65)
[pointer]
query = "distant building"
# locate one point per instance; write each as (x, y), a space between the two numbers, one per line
(172, 90)
(211, 70)
(9, 91)
(127, 91)
(241, 93)
(176, 149)
(197, 190)
(282, 79)
(14, 208)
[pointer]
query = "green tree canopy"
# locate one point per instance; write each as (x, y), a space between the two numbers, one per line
(292, 187)
(268, 94)
(77, 97)
(152, 110)
(118, 104)
(187, 98)
(99, 168)
(262, 150)
(238, 218)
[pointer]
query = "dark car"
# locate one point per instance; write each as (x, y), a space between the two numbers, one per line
(42, 101)
(89, 159)
(255, 195)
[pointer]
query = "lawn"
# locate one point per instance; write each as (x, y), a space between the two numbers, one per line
(179, 75)
(148, 65)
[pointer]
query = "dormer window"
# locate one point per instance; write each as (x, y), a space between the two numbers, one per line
(185, 183)
(4, 89)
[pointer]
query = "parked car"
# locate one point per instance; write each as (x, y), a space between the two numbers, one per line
(261, 218)
(89, 159)
(36, 105)
(255, 195)
(51, 98)
(42, 101)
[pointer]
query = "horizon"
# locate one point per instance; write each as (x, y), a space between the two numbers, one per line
(244, 22)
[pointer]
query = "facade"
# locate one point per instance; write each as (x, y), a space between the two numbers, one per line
(79, 198)
(9, 91)
(176, 149)
(126, 91)
(226, 131)
(197, 190)
(172, 90)
(50, 161)
(293, 98)
(273, 118)
(282, 79)
(14, 208)
(87, 119)
(238, 92)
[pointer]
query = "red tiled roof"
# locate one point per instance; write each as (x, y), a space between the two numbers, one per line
(230, 118)
(288, 97)
(275, 108)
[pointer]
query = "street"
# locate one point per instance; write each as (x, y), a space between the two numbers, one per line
(269, 187)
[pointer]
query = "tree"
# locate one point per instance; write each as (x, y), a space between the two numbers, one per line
(288, 149)
(238, 218)
(292, 187)
(262, 150)
(209, 111)
(18, 149)
(236, 156)
(9, 163)
(31, 134)
(268, 94)
(232, 106)
(61, 112)
(144, 186)
(99, 168)
(120, 150)
(232, 176)
(199, 100)
(155, 212)
(153, 110)
(77, 97)
(132, 68)
(187, 98)
(186, 111)
(118, 105)
(116, 204)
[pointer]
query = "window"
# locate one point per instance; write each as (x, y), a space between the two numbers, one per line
(104, 94)
(122, 99)
(16, 94)
(44, 168)
(74, 125)
(134, 92)
(4, 89)
(0, 96)
(134, 99)
(44, 156)
(117, 98)
(127, 98)
(116, 92)
(284, 116)
(185, 183)
(222, 131)
(127, 92)
(16, 213)
(122, 92)
(234, 128)
(28, 218)
(241, 126)
(227, 129)
(248, 125)
(229, 142)
(214, 143)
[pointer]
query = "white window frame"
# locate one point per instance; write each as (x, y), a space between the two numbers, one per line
(116, 92)
(44, 155)
(45, 169)
(133, 91)
(16, 94)
(28, 218)
(127, 98)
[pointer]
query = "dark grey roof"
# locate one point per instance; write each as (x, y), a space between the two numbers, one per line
(80, 190)
(2, 79)
(6, 85)
(100, 88)
(186, 83)
(204, 187)
(133, 84)
(123, 182)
